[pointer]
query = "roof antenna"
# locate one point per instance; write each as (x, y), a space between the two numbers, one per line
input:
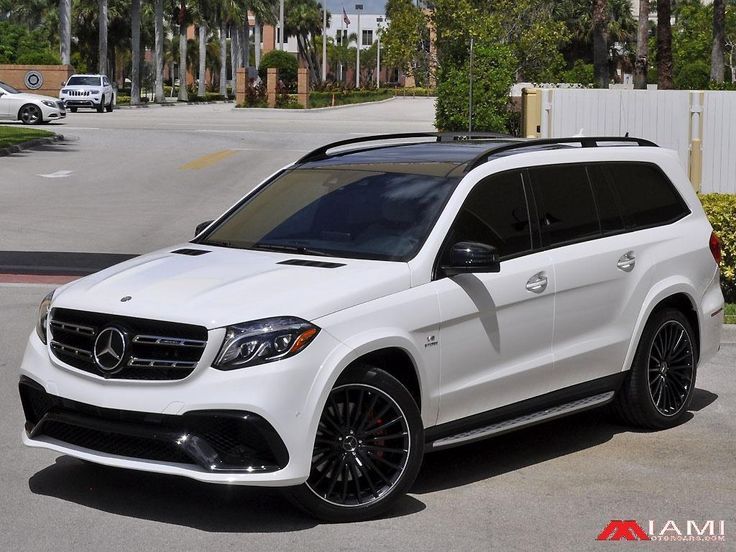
(627, 134)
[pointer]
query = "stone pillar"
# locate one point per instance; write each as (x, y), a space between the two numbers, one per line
(272, 79)
(269, 38)
(302, 87)
(241, 82)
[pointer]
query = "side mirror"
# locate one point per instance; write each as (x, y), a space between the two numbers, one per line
(201, 226)
(469, 257)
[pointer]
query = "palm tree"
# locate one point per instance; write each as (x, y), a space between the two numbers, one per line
(135, 46)
(102, 42)
(600, 42)
(264, 12)
(664, 45)
(183, 19)
(304, 20)
(717, 63)
(642, 46)
(201, 88)
(65, 30)
(159, 48)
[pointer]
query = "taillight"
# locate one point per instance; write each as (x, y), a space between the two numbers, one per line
(715, 247)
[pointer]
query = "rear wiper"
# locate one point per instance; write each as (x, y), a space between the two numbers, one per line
(292, 249)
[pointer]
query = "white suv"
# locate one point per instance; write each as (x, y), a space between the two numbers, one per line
(364, 306)
(94, 91)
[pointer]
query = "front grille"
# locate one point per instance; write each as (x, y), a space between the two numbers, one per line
(78, 93)
(211, 440)
(155, 350)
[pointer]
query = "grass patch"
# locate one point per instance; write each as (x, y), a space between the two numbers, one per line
(12, 135)
(730, 313)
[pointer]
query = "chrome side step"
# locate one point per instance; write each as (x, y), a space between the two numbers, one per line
(523, 421)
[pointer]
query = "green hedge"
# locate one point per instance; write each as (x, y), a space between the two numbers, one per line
(345, 97)
(721, 211)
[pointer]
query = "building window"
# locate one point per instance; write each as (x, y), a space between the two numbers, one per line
(367, 37)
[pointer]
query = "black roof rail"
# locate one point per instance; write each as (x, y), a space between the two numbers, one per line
(321, 152)
(584, 141)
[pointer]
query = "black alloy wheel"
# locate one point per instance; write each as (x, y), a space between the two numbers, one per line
(659, 387)
(101, 105)
(367, 451)
(671, 367)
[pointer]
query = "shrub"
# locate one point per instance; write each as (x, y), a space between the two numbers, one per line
(721, 211)
(286, 63)
(493, 72)
(693, 76)
(580, 73)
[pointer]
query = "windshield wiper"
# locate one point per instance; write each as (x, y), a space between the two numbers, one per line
(220, 243)
(301, 250)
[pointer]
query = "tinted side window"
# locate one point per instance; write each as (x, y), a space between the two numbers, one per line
(647, 197)
(606, 199)
(496, 213)
(565, 203)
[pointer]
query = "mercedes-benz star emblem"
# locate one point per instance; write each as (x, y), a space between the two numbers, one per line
(109, 349)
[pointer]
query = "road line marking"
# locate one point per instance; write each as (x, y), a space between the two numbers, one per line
(57, 174)
(208, 160)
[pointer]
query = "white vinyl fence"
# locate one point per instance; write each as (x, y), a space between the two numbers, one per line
(700, 126)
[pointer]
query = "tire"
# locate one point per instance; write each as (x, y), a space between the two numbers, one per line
(366, 456)
(73, 109)
(110, 107)
(30, 114)
(657, 392)
(101, 106)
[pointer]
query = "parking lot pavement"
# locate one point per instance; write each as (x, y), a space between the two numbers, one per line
(551, 487)
(138, 179)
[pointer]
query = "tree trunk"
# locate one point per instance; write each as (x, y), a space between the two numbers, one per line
(664, 45)
(717, 62)
(135, 75)
(159, 48)
(600, 42)
(102, 42)
(223, 60)
(641, 64)
(257, 43)
(236, 54)
(65, 30)
(201, 88)
(183, 94)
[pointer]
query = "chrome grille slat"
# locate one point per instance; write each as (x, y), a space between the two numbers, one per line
(155, 363)
(169, 341)
(78, 328)
(76, 351)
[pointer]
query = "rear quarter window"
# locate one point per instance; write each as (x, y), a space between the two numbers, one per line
(645, 194)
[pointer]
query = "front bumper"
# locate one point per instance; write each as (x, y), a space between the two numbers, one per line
(167, 427)
(53, 113)
(82, 102)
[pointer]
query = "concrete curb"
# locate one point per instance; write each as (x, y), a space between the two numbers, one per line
(17, 148)
(171, 104)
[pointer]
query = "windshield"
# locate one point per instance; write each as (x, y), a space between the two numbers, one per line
(9, 89)
(84, 81)
(338, 212)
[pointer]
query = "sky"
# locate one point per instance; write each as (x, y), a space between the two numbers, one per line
(369, 6)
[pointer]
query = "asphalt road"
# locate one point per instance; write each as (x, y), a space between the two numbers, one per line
(551, 487)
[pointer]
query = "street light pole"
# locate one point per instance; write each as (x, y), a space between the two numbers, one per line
(281, 25)
(379, 20)
(324, 42)
(358, 8)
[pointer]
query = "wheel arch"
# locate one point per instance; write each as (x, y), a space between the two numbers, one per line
(22, 107)
(678, 294)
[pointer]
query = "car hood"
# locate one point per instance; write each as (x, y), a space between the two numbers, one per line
(228, 286)
(31, 97)
(83, 87)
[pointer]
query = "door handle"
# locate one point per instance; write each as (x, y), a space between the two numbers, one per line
(537, 283)
(626, 262)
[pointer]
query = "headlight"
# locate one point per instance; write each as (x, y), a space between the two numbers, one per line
(262, 341)
(43, 317)
(64, 91)
(94, 91)
(49, 103)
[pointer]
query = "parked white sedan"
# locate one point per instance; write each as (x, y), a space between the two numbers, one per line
(30, 109)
